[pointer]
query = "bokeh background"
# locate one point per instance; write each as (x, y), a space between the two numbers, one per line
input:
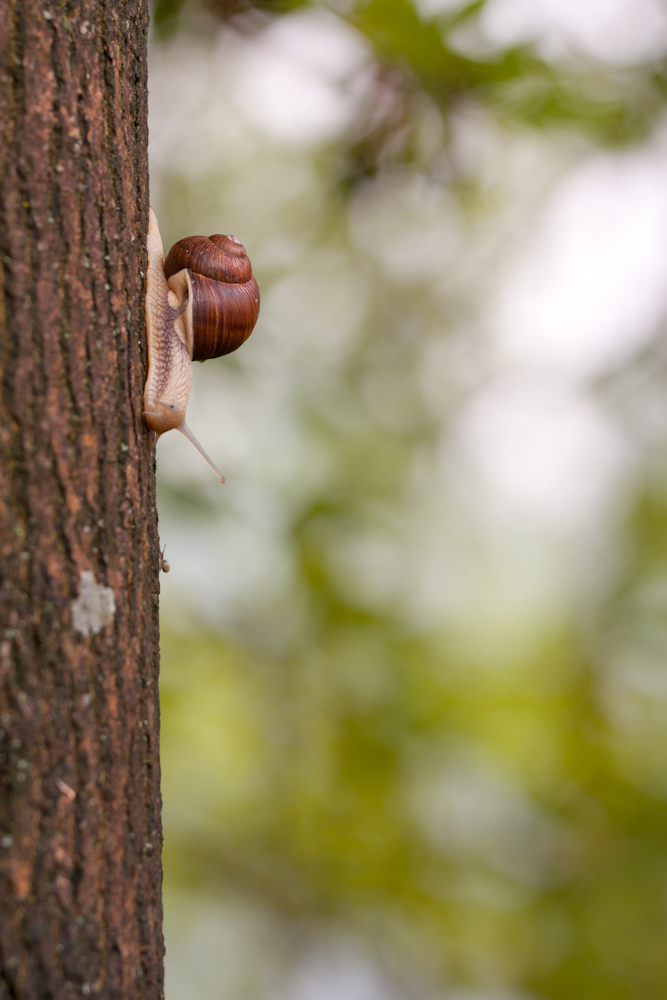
(414, 675)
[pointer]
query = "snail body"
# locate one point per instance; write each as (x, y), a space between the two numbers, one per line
(201, 302)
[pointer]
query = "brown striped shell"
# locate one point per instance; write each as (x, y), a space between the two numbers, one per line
(222, 296)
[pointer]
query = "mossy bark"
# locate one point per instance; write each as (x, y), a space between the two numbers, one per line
(80, 834)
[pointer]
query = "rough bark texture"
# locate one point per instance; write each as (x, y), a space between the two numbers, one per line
(80, 837)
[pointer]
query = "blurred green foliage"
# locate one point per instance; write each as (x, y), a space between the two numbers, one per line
(611, 105)
(474, 804)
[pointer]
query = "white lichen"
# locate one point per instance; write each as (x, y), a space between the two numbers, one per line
(94, 607)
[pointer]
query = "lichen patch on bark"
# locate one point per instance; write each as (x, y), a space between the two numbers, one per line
(94, 607)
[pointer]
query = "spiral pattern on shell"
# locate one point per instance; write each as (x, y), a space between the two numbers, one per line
(225, 296)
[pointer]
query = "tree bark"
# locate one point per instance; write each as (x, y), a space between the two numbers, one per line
(80, 834)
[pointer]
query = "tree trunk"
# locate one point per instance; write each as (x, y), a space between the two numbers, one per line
(80, 835)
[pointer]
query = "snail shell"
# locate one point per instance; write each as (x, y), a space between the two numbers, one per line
(212, 277)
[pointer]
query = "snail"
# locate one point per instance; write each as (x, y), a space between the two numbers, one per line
(165, 565)
(201, 302)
